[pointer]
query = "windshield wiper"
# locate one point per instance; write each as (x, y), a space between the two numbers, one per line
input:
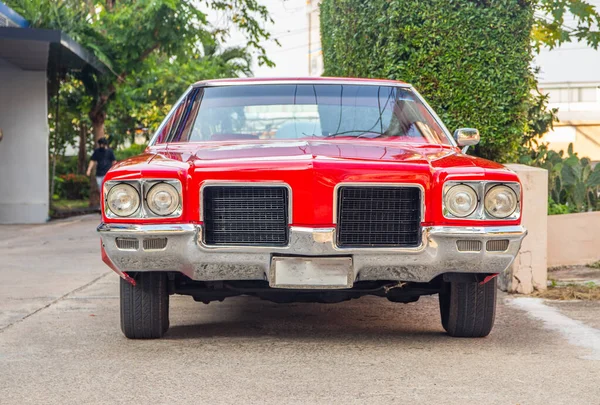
(362, 135)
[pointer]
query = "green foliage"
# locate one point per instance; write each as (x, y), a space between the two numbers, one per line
(66, 165)
(133, 150)
(69, 16)
(144, 99)
(470, 60)
(124, 34)
(73, 104)
(550, 29)
(573, 186)
(73, 186)
(558, 209)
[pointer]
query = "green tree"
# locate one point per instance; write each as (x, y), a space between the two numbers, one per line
(144, 99)
(125, 33)
(549, 27)
(69, 124)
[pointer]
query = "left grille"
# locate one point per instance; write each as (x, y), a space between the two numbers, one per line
(127, 243)
(245, 215)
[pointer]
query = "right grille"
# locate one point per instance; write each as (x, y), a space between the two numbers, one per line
(379, 216)
(497, 245)
(245, 215)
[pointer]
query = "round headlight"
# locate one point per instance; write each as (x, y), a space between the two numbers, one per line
(461, 200)
(501, 201)
(163, 199)
(123, 200)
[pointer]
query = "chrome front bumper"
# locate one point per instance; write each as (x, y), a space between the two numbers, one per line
(186, 253)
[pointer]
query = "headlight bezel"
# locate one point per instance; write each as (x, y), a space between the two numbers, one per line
(177, 203)
(112, 189)
(143, 186)
(495, 187)
(454, 189)
(481, 188)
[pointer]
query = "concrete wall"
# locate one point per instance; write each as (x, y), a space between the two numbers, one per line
(24, 148)
(529, 271)
(573, 239)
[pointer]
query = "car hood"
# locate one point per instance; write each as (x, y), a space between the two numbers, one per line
(202, 154)
(436, 157)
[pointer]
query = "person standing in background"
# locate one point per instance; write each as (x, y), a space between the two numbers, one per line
(103, 158)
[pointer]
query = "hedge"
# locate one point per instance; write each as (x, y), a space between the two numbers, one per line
(469, 59)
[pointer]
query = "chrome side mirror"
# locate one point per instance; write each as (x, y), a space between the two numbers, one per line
(466, 137)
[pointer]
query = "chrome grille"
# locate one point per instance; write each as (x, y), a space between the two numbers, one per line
(155, 243)
(245, 215)
(127, 243)
(468, 245)
(379, 216)
(498, 245)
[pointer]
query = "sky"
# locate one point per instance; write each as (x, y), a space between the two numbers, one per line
(290, 27)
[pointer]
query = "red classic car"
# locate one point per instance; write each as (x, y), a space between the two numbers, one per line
(310, 190)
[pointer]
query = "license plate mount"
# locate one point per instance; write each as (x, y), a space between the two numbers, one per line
(311, 272)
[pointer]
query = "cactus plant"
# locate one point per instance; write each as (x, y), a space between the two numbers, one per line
(572, 181)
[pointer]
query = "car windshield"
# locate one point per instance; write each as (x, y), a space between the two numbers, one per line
(301, 111)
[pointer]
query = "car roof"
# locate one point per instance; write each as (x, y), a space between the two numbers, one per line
(300, 80)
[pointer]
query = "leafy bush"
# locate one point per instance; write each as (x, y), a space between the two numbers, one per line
(573, 186)
(65, 165)
(73, 186)
(557, 209)
(470, 59)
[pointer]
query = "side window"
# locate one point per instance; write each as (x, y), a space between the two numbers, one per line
(188, 117)
(177, 125)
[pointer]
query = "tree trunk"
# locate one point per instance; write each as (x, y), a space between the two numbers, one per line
(82, 156)
(97, 116)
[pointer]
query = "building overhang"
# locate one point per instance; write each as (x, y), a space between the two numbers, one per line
(41, 50)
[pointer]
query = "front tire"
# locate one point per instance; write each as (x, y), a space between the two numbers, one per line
(145, 306)
(468, 309)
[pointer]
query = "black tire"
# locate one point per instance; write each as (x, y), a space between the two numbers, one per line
(468, 309)
(145, 306)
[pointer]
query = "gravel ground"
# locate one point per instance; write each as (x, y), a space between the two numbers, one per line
(60, 343)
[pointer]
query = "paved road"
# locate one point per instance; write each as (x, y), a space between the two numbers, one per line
(60, 343)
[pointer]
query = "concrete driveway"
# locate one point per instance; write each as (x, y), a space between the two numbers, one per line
(60, 343)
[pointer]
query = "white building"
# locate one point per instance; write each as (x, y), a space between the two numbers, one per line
(31, 61)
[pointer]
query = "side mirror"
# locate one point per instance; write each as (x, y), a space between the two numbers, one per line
(466, 137)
